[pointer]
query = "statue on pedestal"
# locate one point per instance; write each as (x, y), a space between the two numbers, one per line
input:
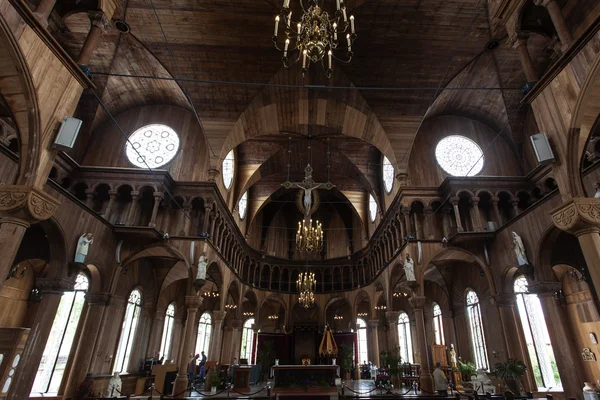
(519, 250)
(409, 268)
(452, 356)
(115, 385)
(83, 246)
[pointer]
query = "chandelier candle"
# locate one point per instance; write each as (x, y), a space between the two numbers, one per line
(315, 35)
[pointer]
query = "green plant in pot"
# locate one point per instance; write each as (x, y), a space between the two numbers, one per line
(266, 357)
(391, 361)
(467, 370)
(510, 372)
(345, 359)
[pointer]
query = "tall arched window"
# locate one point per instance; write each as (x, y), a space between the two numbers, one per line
(243, 205)
(372, 208)
(476, 328)
(438, 325)
(167, 336)
(247, 340)
(227, 170)
(130, 322)
(203, 338)
(388, 174)
(537, 338)
(58, 347)
(363, 350)
(404, 338)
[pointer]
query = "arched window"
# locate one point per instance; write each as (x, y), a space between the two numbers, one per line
(404, 338)
(363, 350)
(243, 204)
(459, 156)
(388, 175)
(227, 170)
(536, 336)
(130, 321)
(58, 347)
(247, 340)
(438, 325)
(203, 338)
(476, 328)
(152, 146)
(372, 207)
(167, 336)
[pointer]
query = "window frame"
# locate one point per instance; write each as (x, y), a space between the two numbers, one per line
(475, 320)
(232, 159)
(157, 126)
(131, 330)
(372, 214)
(404, 330)
(361, 328)
(207, 334)
(438, 325)
(248, 339)
(166, 341)
(245, 198)
(480, 158)
(385, 163)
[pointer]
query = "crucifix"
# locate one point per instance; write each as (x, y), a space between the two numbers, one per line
(307, 185)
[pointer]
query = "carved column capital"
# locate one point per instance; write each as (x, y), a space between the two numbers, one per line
(373, 323)
(159, 195)
(112, 194)
(135, 194)
(236, 323)
(99, 20)
(418, 302)
(402, 178)
(27, 203)
(97, 298)
(193, 302)
(219, 316)
(578, 216)
(392, 316)
(406, 211)
(475, 201)
(503, 300)
(117, 302)
(213, 173)
(517, 39)
(89, 192)
(54, 286)
(454, 200)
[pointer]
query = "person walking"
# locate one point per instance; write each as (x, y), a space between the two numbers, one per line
(192, 368)
(440, 380)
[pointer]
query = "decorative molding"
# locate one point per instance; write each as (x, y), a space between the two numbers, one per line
(54, 286)
(578, 216)
(99, 20)
(392, 316)
(97, 298)
(503, 300)
(219, 316)
(193, 302)
(117, 302)
(545, 287)
(418, 302)
(26, 202)
(373, 323)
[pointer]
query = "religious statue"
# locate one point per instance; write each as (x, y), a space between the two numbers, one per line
(452, 354)
(83, 246)
(201, 268)
(409, 268)
(519, 250)
(597, 189)
(307, 185)
(114, 386)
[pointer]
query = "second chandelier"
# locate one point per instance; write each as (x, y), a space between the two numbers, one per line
(316, 35)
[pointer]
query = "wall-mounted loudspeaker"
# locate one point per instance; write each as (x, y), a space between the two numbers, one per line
(541, 146)
(67, 134)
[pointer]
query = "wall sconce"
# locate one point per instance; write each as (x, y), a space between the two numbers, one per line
(381, 308)
(560, 296)
(338, 317)
(361, 314)
(212, 294)
(230, 307)
(273, 317)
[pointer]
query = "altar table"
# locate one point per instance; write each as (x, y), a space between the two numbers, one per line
(305, 378)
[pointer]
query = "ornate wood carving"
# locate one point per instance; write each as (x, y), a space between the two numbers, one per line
(26, 202)
(578, 216)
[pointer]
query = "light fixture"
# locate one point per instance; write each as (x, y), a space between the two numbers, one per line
(212, 294)
(309, 237)
(273, 317)
(401, 294)
(316, 35)
(338, 317)
(230, 306)
(306, 284)
(362, 314)
(248, 314)
(381, 308)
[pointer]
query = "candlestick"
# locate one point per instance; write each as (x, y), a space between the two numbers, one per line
(329, 56)
(299, 28)
(352, 23)
(335, 32)
(276, 25)
(345, 16)
(337, 4)
(285, 49)
(303, 67)
(286, 3)
(289, 21)
(349, 43)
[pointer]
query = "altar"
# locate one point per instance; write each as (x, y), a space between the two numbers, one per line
(305, 378)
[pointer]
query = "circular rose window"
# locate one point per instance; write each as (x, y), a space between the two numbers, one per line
(152, 146)
(459, 156)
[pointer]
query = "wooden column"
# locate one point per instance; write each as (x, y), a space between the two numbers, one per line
(186, 220)
(43, 10)
(158, 323)
(181, 382)
(406, 212)
(568, 359)
(20, 206)
(217, 334)
(236, 340)
(519, 41)
(429, 219)
(558, 19)
(89, 201)
(112, 195)
(100, 24)
(392, 320)
(495, 201)
(133, 208)
(475, 215)
(96, 306)
(515, 206)
(206, 221)
(426, 379)
(374, 325)
(158, 197)
(454, 201)
(52, 291)
(514, 337)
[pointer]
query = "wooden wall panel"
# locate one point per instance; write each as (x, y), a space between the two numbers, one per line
(500, 159)
(107, 147)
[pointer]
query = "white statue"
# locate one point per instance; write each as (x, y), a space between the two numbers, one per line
(597, 187)
(409, 268)
(83, 246)
(114, 386)
(308, 185)
(201, 268)
(452, 354)
(519, 250)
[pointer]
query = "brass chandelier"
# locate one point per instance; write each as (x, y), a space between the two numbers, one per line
(315, 35)
(306, 285)
(309, 237)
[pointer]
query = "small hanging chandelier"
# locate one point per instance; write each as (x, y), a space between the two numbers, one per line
(306, 285)
(309, 237)
(315, 35)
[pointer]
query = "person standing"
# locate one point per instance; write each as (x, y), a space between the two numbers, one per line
(192, 368)
(202, 366)
(440, 380)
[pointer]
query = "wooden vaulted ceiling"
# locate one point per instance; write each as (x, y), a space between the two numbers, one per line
(405, 44)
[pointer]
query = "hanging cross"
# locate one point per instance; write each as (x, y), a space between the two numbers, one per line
(308, 185)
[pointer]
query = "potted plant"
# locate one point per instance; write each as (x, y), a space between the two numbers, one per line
(212, 380)
(391, 361)
(266, 357)
(510, 372)
(467, 370)
(345, 359)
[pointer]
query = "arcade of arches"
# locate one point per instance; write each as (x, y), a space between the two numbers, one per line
(191, 126)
